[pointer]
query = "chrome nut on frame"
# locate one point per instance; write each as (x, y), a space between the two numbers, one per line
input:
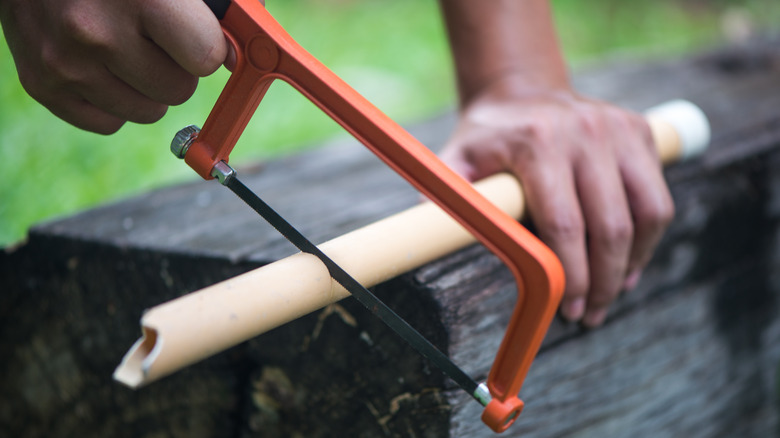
(183, 139)
(223, 173)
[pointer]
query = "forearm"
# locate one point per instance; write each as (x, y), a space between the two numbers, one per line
(511, 44)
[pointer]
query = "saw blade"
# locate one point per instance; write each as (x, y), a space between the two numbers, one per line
(227, 176)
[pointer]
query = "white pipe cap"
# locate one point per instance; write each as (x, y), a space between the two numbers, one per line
(689, 121)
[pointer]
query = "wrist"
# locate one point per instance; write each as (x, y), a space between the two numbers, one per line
(517, 84)
(516, 87)
(506, 45)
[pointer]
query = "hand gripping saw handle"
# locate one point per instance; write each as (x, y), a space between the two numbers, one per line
(265, 52)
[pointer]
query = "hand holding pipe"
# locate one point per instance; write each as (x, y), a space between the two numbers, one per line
(264, 53)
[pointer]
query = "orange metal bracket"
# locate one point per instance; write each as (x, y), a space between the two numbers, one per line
(265, 52)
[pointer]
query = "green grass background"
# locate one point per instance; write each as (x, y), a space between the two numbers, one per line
(394, 52)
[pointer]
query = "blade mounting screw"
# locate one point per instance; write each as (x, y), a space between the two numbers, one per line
(183, 139)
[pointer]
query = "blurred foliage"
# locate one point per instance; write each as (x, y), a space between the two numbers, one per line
(394, 52)
(592, 29)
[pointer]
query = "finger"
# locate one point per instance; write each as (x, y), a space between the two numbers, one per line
(454, 157)
(189, 32)
(632, 279)
(80, 113)
(118, 99)
(148, 69)
(232, 57)
(555, 210)
(475, 153)
(609, 228)
(651, 204)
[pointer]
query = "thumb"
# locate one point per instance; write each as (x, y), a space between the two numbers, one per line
(457, 161)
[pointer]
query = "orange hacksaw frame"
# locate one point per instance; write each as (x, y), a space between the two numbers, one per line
(265, 52)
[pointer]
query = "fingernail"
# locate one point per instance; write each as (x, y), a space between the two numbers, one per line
(573, 309)
(594, 318)
(632, 280)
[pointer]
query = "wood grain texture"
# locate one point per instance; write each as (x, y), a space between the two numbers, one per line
(693, 352)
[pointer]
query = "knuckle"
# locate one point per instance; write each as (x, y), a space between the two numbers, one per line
(598, 122)
(639, 128)
(589, 123)
(576, 286)
(658, 215)
(84, 28)
(531, 132)
(59, 68)
(639, 124)
(565, 227)
(524, 145)
(615, 234)
(528, 133)
(50, 60)
(620, 117)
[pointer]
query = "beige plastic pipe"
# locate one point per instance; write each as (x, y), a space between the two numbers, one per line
(195, 326)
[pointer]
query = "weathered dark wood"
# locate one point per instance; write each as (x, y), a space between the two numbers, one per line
(693, 352)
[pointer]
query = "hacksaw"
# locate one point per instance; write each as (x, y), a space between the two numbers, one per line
(264, 53)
